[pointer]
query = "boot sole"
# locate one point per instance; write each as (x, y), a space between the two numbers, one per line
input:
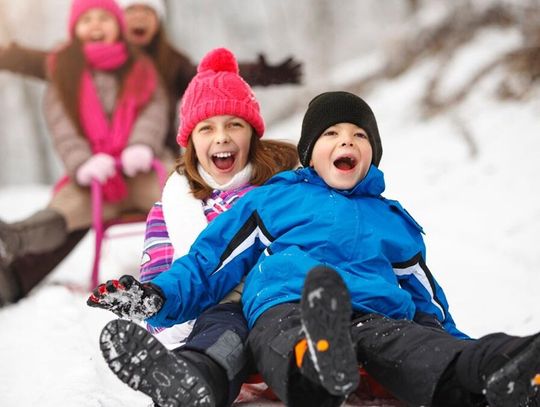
(144, 364)
(326, 317)
(513, 384)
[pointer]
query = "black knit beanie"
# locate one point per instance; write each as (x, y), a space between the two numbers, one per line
(332, 108)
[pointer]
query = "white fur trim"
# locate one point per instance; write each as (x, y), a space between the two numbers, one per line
(183, 214)
(157, 5)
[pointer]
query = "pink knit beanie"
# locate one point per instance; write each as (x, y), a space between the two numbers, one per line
(79, 7)
(217, 89)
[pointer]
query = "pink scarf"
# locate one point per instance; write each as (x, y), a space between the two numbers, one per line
(111, 136)
(106, 136)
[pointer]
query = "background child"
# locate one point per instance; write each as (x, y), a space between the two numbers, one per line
(104, 104)
(224, 158)
(332, 213)
(144, 30)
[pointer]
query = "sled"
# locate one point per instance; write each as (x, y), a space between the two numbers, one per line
(369, 393)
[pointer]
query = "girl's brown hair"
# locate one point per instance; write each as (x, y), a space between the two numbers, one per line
(65, 71)
(169, 62)
(176, 70)
(268, 157)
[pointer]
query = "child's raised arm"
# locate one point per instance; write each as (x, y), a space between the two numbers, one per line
(218, 260)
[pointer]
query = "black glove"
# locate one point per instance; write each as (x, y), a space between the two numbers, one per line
(288, 71)
(127, 298)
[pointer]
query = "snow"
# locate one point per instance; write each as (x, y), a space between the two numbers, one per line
(479, 205)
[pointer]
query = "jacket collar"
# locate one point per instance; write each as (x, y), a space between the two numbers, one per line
(372, 184)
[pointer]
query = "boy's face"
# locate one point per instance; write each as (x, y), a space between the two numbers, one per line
(342, 155)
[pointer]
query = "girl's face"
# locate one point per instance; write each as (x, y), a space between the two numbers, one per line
(342, 155)
(97, 25)
(142, 24)
(222, 146)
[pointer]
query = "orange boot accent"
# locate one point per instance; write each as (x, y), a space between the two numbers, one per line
(322, 345)
(536, 380)
(300, 350)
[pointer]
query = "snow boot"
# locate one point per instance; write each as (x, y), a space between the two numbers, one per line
(20, 276)
(517, 382)
(144, 364)
(326, 318)
(45, 230)
(10, 290)
(41, 232)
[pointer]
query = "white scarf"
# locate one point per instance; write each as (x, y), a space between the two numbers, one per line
(239, 179)
(184, 214)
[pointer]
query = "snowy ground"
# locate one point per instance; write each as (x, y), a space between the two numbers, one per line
(481, 215)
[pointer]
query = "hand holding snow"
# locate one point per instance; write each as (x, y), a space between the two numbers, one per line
(127, 298)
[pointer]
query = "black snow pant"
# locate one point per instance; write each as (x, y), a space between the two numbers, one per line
(420, 365)
(271, 342)
(217, 346)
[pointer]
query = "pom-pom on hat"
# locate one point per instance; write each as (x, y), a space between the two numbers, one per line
(217, 89)
(157, 5)
(79, 7)
(331, 108)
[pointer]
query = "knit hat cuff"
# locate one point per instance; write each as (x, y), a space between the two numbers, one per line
(216, 90)
(328, 119)
(216, 108)
(331, 108)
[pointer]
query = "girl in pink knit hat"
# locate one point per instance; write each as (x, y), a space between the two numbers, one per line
(105, 109)
(224, 158)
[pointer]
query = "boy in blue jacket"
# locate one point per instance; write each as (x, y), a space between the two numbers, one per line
(335, 276)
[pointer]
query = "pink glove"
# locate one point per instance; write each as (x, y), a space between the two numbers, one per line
(100, 166)
(136, 158)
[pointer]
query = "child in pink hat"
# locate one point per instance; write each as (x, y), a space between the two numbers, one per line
(220, 129)
(105, 108)
(80, 7)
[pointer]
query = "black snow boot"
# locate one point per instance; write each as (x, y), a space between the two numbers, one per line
(517, 382)
(144, 364)
(326, 318)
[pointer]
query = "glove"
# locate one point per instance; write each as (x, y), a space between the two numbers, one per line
(127, 298)
(136, 158)
(100, 166)
(288, 71)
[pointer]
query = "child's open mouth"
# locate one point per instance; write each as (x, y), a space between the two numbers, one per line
(97, 37)
(223, 161)
(345, 163)
(139, 31)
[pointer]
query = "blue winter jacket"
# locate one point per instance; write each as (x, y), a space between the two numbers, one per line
(278, 232)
